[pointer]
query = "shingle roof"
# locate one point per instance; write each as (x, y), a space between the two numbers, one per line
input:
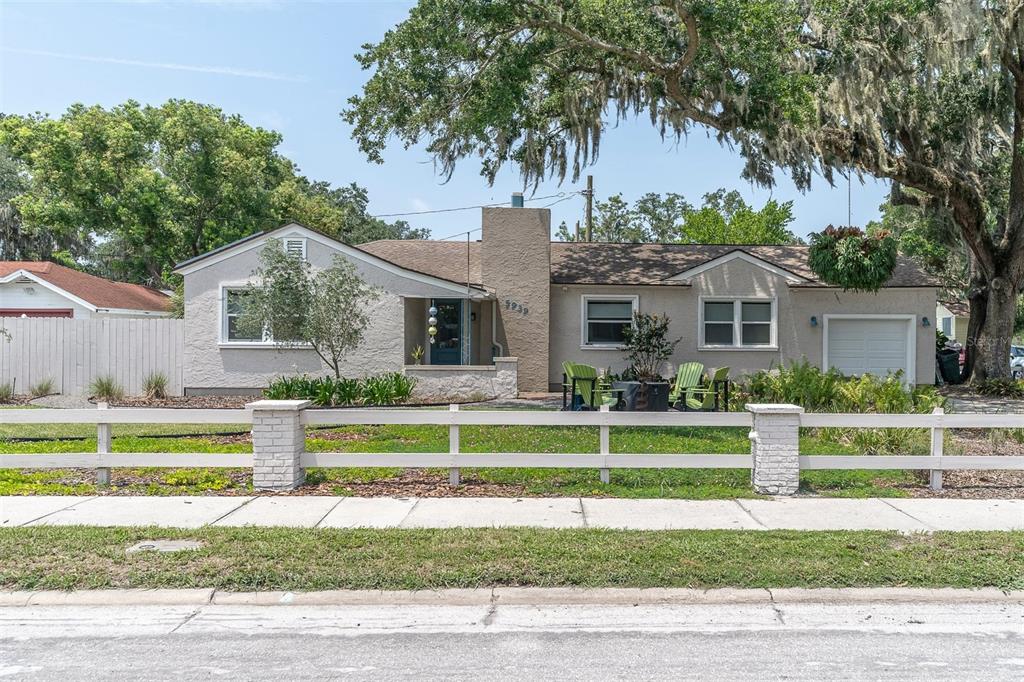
(102, 293)
(609, 263)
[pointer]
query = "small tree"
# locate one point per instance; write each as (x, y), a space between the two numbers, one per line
(646, 345)
(296, 306)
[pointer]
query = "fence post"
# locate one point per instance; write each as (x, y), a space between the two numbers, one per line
(938, 433)
(454, 474)
(103, 445)
(278, 443)
(606, 474)
(775, 448)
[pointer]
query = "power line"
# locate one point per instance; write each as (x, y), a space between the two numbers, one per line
(469, 208)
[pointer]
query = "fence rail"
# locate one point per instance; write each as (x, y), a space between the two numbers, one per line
(274, 442)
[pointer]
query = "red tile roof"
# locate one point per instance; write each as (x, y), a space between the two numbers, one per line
(102, 293)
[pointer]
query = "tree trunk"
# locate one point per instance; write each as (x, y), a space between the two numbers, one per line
(995, 333)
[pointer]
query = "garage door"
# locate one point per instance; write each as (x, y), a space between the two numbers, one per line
(868, 346)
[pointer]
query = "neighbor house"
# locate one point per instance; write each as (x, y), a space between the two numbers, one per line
(514, 305)
(44, 289)
(952, 318)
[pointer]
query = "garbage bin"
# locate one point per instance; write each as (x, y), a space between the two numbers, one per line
(949, 365)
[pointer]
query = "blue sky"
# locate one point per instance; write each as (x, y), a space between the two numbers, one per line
(288, 65)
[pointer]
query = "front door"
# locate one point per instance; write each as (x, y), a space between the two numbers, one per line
(447, 346)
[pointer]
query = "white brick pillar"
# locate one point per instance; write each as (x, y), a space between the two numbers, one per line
(278, 443)
(775, 446)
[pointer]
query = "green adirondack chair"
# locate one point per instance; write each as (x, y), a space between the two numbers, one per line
(688, 376)
(702, 398)
(584, 381)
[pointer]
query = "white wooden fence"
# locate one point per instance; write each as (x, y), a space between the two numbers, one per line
(72, 353)
(603, 460)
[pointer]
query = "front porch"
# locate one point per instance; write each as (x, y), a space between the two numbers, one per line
(466, 331)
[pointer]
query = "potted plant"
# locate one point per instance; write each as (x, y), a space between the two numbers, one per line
(647, 347)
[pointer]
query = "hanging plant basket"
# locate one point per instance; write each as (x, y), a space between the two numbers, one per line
(848, 258)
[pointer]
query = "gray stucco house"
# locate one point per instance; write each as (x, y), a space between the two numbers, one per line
(514, 305)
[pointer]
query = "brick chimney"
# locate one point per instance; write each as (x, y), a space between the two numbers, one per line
(515, 262)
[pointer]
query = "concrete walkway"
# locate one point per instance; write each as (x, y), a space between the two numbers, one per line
(805, 513)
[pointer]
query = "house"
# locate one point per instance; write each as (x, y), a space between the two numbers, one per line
(44, 289)
(514, 305)
(951, 317)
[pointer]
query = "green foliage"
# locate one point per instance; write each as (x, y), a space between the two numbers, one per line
(133, 189)
(383, 389)
(6, 392)
(41, 388)
(647, 346)
(1000, 388)
(940, 340)
(724, 218)
(417, 355)
(803, 384)
(106, 388)
(846, 257)
(154, 386)
(326, 309)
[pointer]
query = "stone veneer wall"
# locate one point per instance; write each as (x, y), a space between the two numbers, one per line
(462, 382)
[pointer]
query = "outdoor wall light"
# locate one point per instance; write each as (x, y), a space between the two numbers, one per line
(814, 320)
(925, 322)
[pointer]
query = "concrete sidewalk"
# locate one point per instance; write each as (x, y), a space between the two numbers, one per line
(807, 513)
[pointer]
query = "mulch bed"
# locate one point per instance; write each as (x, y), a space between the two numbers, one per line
(17, 400)
(194, 401)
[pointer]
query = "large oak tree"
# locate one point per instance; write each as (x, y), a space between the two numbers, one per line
(926, 93)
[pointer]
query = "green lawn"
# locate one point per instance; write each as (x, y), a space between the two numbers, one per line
(320, 559)
(675, 483)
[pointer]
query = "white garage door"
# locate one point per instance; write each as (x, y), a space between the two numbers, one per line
(869, 346)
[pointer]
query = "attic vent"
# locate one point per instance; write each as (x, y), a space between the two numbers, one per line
(24, 280)
(295, 247)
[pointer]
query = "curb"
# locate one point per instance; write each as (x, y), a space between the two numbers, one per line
(511, 596)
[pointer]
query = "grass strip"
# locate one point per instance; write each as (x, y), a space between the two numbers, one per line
(320, 559)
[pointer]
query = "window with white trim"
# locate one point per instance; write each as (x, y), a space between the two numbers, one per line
(232, 307)
(295, 246)
(606, 318)
(737, 323)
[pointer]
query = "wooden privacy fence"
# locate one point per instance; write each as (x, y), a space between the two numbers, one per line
(73, 352)
(279, 458)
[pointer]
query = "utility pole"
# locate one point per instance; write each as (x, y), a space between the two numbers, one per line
(589, 193)
(577, 230)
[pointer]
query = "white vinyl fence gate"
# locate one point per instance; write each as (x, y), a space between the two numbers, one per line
(73, 352)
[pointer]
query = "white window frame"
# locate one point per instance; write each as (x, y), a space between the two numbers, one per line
(737, 323)
(222, 320)
(584, 299)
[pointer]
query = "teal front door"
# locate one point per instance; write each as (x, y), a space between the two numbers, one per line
(447, 346)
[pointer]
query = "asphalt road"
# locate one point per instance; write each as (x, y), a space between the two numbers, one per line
(593, 642)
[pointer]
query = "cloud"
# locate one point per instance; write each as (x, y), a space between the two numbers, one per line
(170, 66)
(420, 205)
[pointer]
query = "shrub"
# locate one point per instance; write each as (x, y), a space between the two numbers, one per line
(106, 388)
(6, 392)
(387, 389)
(382, 389)
(816, 391)
(154, 386)
(1000, 388)
(44, 387)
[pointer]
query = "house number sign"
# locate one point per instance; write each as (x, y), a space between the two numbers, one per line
(517, 307)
